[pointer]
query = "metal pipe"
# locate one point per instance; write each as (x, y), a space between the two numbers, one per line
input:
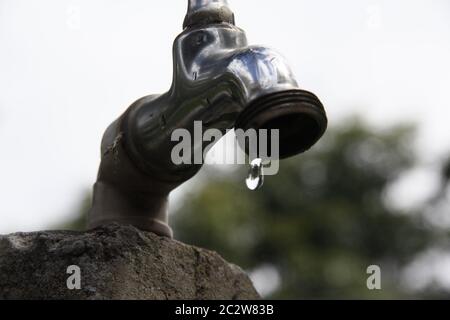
(203, 12)
(196, 5)
(217, 79)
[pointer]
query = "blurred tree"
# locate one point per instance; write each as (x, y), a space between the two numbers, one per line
(320, 222)
(78, 223)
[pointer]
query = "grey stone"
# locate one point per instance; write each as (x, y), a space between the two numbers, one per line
(116, 262)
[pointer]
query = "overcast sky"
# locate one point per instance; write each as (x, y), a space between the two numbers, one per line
(68, 68)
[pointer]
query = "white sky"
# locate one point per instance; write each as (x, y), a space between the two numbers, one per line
(68, 68)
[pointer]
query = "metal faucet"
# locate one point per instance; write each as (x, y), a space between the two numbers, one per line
(217, 79)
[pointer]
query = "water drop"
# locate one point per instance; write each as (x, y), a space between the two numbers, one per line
(255, 178)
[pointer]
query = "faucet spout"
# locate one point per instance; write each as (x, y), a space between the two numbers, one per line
(218, 79)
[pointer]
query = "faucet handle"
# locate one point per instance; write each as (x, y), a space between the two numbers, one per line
(203, 12)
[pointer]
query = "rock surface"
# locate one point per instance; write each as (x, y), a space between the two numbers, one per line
(116, 262)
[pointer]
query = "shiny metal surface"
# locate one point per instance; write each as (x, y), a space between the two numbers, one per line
(217, 79)
(203, 12)
(195, 5)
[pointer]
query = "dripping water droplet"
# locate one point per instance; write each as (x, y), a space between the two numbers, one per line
(255, 178)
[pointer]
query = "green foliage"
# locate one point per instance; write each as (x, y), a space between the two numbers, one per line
(78, 223)
(320, 222)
